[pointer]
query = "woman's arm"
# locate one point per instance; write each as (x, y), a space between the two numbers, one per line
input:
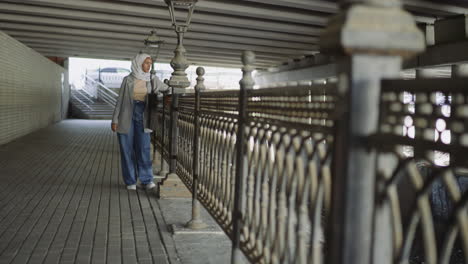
(118, 105)
(158, 85)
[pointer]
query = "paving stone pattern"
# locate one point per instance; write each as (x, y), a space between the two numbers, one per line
(62, 200)
(200, 247)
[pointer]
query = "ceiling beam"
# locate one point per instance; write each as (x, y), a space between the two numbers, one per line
(248, 10)
(33, 36)
(163, 13)
(100, 54)
(188, 44)
(168, 35)
(440, 9)
(165, 54)
(94, 55)
(124, 19)
(316, 5)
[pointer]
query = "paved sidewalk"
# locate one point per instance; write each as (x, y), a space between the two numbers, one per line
(62, 200)
(207, 246)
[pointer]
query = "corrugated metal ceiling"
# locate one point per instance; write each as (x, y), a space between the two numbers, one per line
(277, 30)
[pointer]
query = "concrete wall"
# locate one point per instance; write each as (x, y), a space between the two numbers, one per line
(31, 88)
(65, 91)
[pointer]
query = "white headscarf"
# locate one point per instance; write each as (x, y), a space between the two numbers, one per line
(137, 71)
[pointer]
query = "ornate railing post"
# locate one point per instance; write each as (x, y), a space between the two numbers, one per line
(196, 221)
(162, 172)
(173, 131)
(369, 38)
(247, 83)
(173, 134)
(153, 106)
(178, 82)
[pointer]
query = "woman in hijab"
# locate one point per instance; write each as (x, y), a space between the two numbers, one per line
(131, 125)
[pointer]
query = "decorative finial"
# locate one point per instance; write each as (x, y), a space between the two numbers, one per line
(248, 59)
(200, 80)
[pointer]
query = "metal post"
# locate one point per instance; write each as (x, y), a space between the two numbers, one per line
(163, 134)
(247, 83)
(177, 81)
(196, 222)
(151, 104)
(365, 56)
(162, 172)
(173, 132)
(179, 63)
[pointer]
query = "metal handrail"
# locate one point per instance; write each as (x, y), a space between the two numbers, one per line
(90, 89)
(83, 103)
(86, 95)
(107, 98)
(102, 92)
(85, 89)
(103, 86)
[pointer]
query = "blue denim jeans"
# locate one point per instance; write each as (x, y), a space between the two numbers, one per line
(135, 149)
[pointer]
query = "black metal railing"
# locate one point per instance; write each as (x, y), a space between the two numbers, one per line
(286, 180)
(260, 161)
(422, 170)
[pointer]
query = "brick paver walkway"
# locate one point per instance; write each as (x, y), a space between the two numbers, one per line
(62, 200)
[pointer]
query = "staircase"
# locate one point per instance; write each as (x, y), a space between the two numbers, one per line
(85, 106)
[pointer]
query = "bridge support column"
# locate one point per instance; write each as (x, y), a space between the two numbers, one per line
(369, 39)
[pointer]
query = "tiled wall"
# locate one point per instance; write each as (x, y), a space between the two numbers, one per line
(30, 90)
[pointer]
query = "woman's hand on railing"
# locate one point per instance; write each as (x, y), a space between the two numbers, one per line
(114, 126)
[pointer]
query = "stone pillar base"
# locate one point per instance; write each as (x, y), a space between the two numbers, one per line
(173, 187)
(158, 172)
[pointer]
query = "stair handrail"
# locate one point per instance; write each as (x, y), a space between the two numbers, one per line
(110, 100)
(102, 86)
(89, 87)
(107, 95)
(87, 92)
(83, 103)
(85, 95)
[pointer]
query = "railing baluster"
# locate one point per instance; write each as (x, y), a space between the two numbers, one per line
(173, 133)
(162, 171)
(196, 221)
(248, 58)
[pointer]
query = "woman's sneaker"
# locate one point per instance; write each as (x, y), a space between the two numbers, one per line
(150, 186)
(131, 187)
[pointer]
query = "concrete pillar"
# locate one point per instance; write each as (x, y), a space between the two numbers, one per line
(428, 31)
(459, 70)
(65, 89)
(368, 48)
